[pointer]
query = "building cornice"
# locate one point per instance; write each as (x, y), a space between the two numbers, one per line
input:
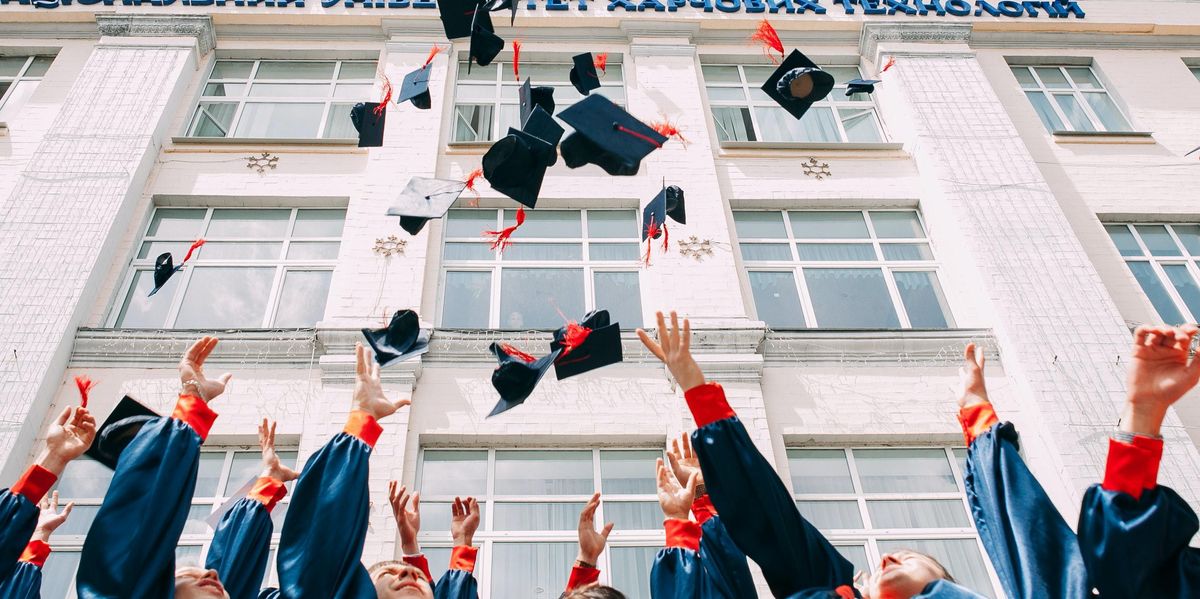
(1022, 40)
(140, 25)
(874, 33)
(57, 30)
(897, 348)
(154, 348)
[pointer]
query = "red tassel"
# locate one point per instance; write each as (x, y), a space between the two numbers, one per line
(517, 58)
(475, 174)
(516, 353)
(85, 385)
(668, 129)
(646, 138)
(769, 39)
(652, 231)
(387, 97)
(576, 335)
(195, 245)
(601, 62)
(890, 63)
(501, 237)
(432, 52)
(666, 236)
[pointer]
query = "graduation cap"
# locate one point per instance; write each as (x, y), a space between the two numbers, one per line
(607, 136)
(400, 340)
(586, 346)
(861, 86)
(667, 204)
(416, 88)
(503, 4)
(797, 84)
(516, 165)
(543, 126)
(368, 119)
(458, 17)
(517, 374)
(164, 266)
(485, 44)
(535, 97)
(583, 74)
(425, 198)
(118, 431)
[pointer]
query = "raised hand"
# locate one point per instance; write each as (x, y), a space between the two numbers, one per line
(591, 541)
(674, 349)
(970, 376)
(675, 499)
(464, 521)
(1159, 375)
(684, 463)
(191, 371)
(272, 467)
(49, 519)
(69, 436)
(407, 520)
(368, 389)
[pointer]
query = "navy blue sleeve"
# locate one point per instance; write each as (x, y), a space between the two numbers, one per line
(241, 547)
(24, 582)
(724, 564)
(18, 518)
(757, 509)
(456, 584)
(1032, 548)
(677, 573)
(130, 548)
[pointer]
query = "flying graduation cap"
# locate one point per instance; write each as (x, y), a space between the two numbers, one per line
(667, 204)
(516, 165)
(503, 4)
(415, 87)
(586, 346)
(607, 136)
(516, 375)
(458, 17)
(164, 266)
(119, 430)
(861, 86)
(485, 44)
(583, 75)
(534, 97)
(425, 198)
(400, 340)
(797, 83)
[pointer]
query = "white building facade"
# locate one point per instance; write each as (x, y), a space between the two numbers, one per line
(1018, 179)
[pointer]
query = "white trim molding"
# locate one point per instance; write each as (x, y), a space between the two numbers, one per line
(123, 25)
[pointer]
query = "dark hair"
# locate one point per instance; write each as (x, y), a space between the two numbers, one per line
(594, 592)
(945, 573)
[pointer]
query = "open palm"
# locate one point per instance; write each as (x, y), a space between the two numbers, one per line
(191, 370)
(1161, 372)
(368, 387)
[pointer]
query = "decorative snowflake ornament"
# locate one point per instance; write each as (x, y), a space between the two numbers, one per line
(812, 168)
(390, 245)
(262, 162)
(693, 247)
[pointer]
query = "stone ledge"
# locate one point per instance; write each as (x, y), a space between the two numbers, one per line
(145, 25)
(906, 347)
(157, 348)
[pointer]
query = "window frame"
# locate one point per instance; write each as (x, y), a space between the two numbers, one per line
(1184, 258)
(22, 76)
(1077, 92)
(281, 265)
(888, 267)
(497, 264)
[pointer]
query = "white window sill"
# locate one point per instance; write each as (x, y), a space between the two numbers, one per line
(1103, 137)
(910, 346)
(750, 148)
(262, 141)
(468, 147)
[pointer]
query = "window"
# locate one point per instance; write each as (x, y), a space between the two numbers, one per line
(486, 103)
(222, 474)
(282, 99)
(743, 112)
(253, 270)
(1164, 260)
(530, 502)
(862, 269)
(19, 76)
(869, 502)
(562, 263)
(1070, 99)
(1195, 71)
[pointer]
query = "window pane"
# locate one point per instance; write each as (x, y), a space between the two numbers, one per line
(829, 225)
(1041, 105)
(918, 513)
(855, 298)
(923, 300)
(720, 74)
(152, 249)
(1023, 76)
(549, 223)
(1069, 105)
(225, 89)
(313, 287)
(142, 312)
(59, 573)
(291, 90)
(776, 124)
(758, 224)
(240, 250)
(472, 122)
(84, 477)
(1107, 111)
(211, 464)
(907, 252)
(188, 555)
(259, 223)
(465, 301)
(232, 69)
(436, 518)
(544, 473)
(536, 516)
(353, 91)
(827, 515)
(819, 471)
(1084, 78)
(628, 472)
(960, 557)
(225, 297)
(614, 252)
(470, 223)
(11, 66)
(79, 522)
(836, 251)
(776, 299)
(1124, 240)
(534, 298)
(245, 468)
(457, 473)
(543, 252)
(612, 223)
(276, 121)
(1185, 285)
(773, 252)
(196, 517)
(439, 559)
(213, 119)
(1157, 240)
(620, 294)
(474, 72)
(358, 70)
(726, 94)
(469, 251)
(633, 515)
(338, 124)
(531, 569)
(313, 250)
(1189, 235)
(733, 123)
(897, 225)
(860, 125)
(1052, 77)
(1153, 287)
(279, 69)
(631, 570)
(904, 471)
(857, 555)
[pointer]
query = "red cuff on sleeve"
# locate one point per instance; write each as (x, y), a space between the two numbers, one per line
(34, 483)
(682, 533)
(1155, 447)
(195, 412)
(703, 509)
(707, 403)
(1128, 468)
(463, 558)
(363, 425)
(267, 491)
(976, 419)
(581, 577)
(421, 562)
(36, 553)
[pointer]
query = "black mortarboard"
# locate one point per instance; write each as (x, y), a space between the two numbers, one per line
(667, 204)
(416, 88)
(485, 44)
(607, 136)
(797, 83)
(533, 97)
(583, 75)
(164, 266)
(503, 4)
(516, 166)
(369, 124)
(543, 126)
(458, 17)
(586, 346)
(675, 208)
(425, 198)
(118, 431)
(400, 340)
(517, 375)
(861, 86)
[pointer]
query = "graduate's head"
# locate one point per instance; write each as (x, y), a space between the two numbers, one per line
(396, 580)
(903, 574)
(197, 583)
(594, 591)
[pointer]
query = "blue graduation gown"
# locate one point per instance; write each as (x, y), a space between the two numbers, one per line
(459, 581)
(130, 549)
(717, 569)
(19, 514)
(241, 547)
(24, 582)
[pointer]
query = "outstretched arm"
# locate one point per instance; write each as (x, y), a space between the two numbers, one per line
(757, 508)
(591, 545)
(25, 582)
(677, 571)
(459, 580)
